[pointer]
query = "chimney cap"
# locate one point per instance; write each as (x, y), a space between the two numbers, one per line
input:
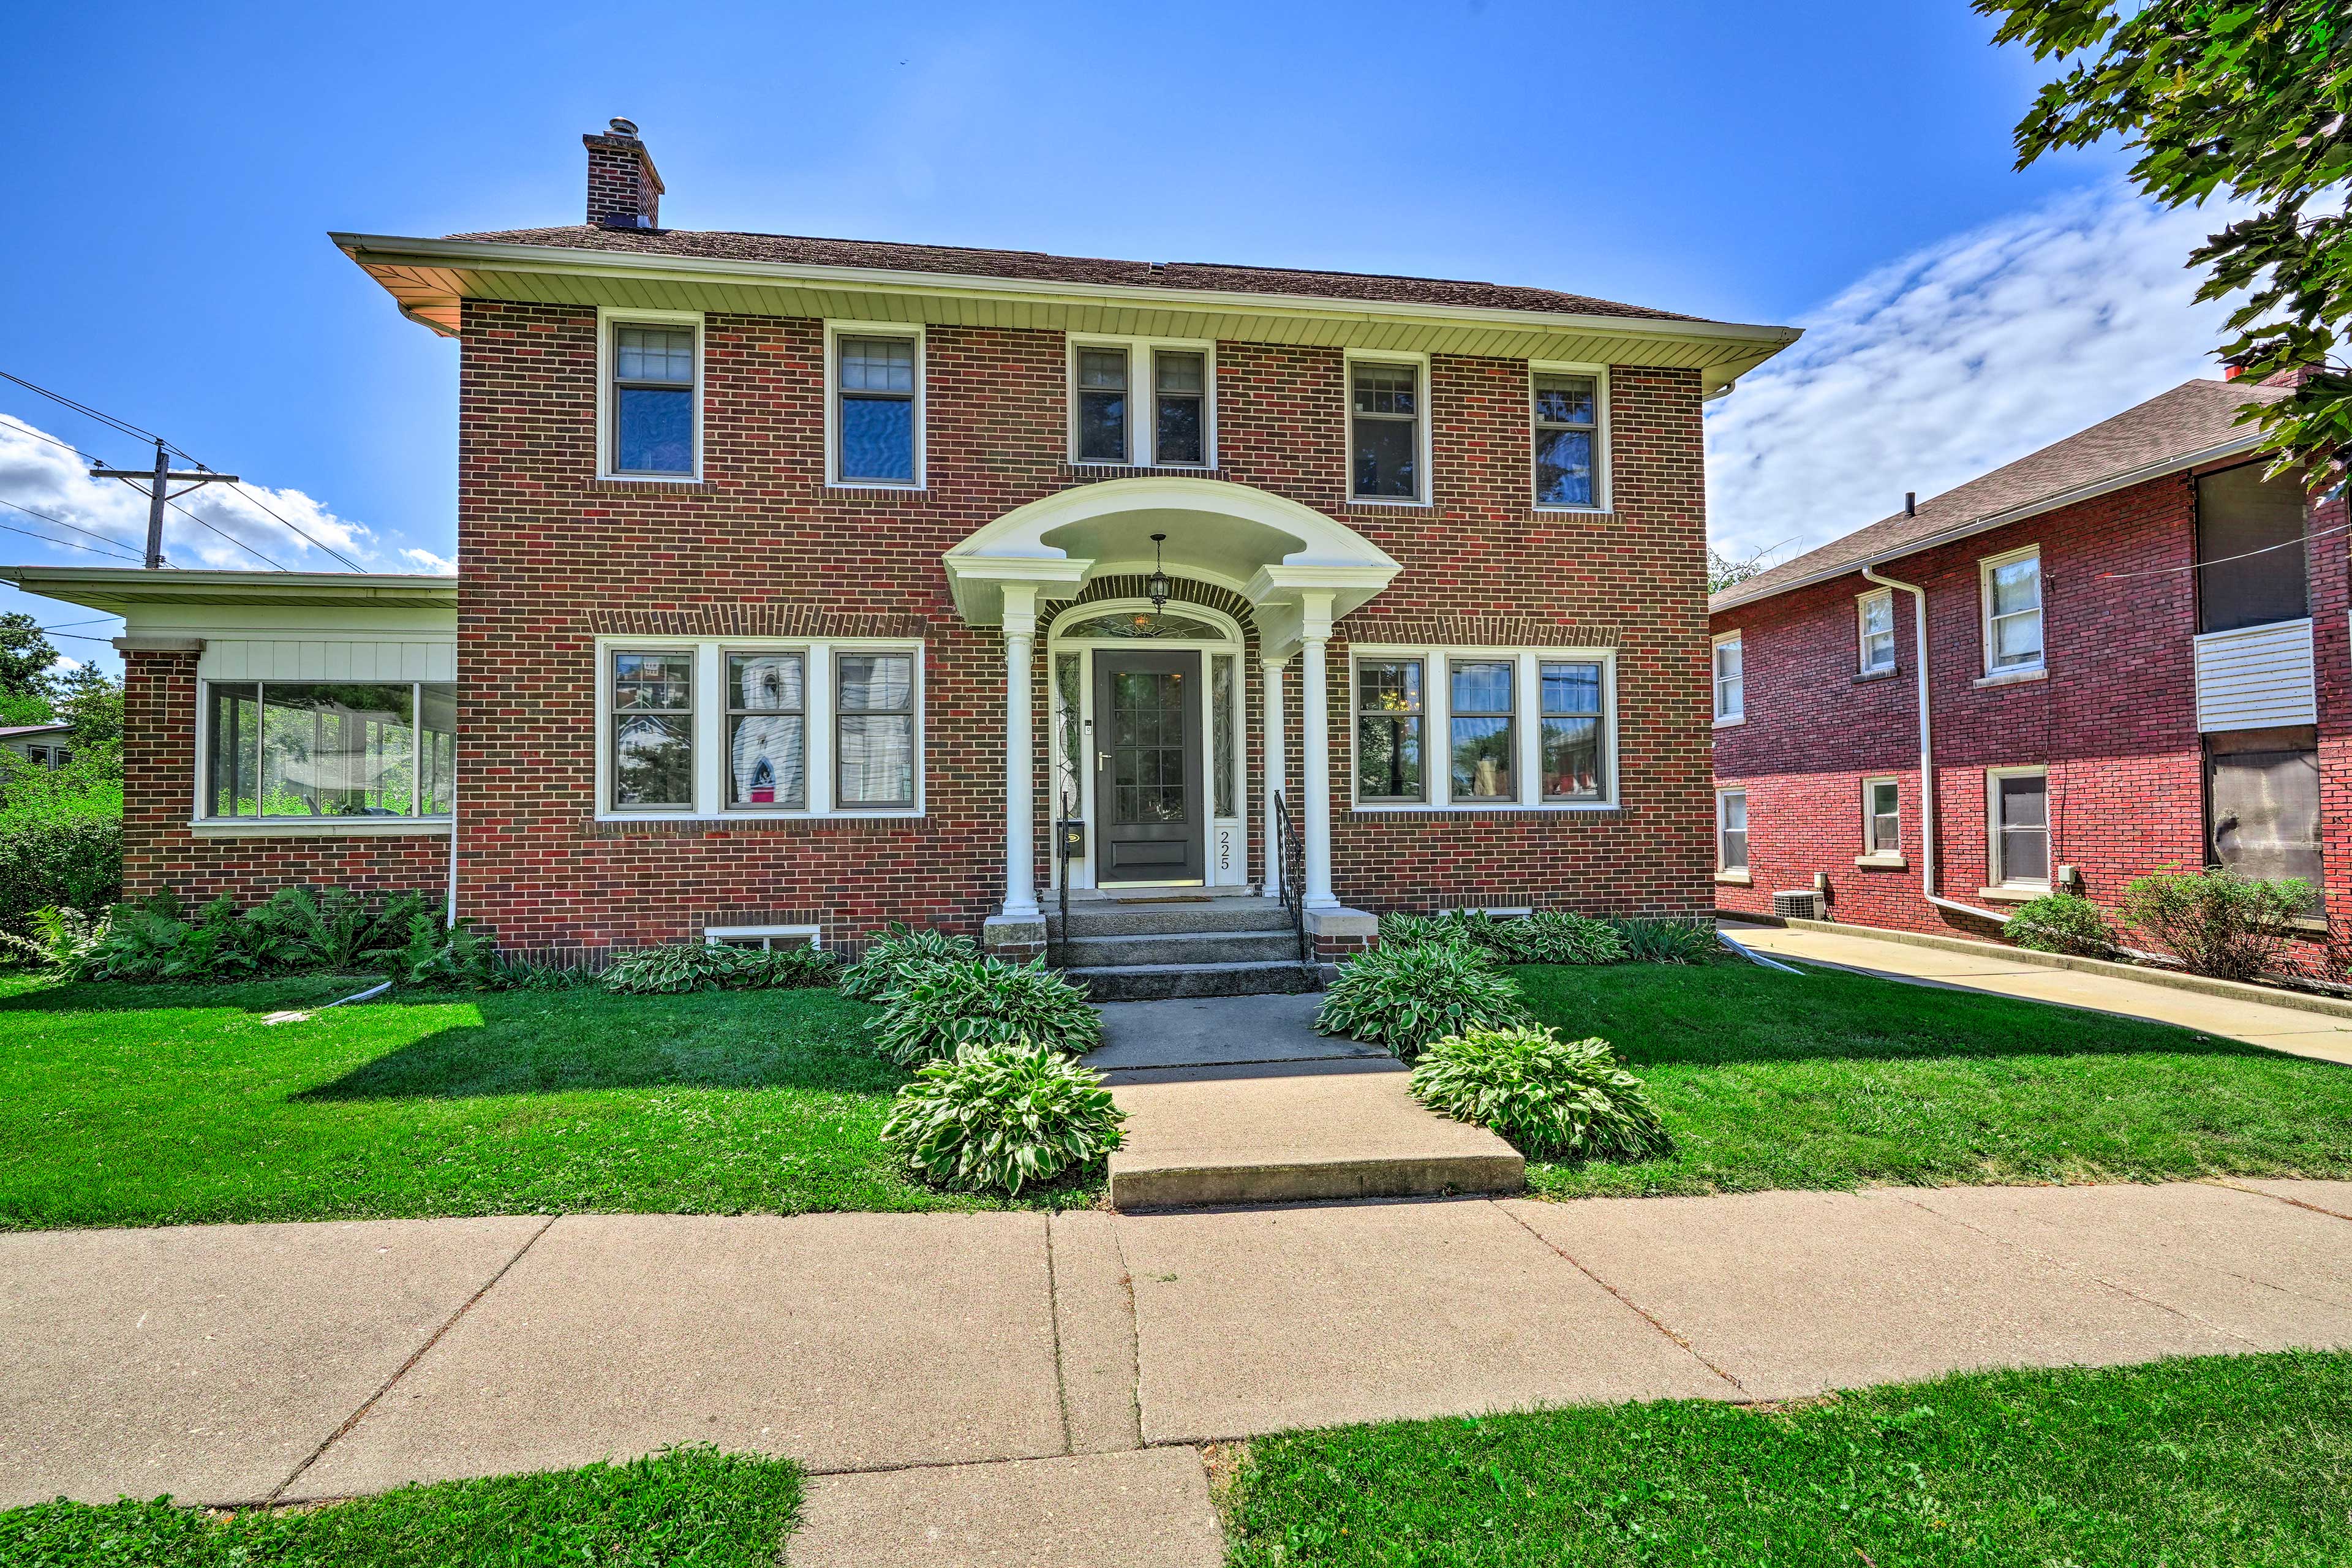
(623, 127)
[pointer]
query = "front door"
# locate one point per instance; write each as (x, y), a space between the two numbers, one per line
(1148, 767)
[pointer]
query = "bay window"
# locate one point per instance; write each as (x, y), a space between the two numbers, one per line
(328, 749)
(1473, 702)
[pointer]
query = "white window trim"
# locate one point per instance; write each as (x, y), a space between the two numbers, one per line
(835, 330)
(811, 936)
(1437, 719)
(1984, 612)
(1714, 680)
(1604, 484)
(1745, 868)
(1143, 421)
(1426, 423)
(608, 318)
(1996, 874)
(1861, 603)
(438, 826)
(819, 714)
(1873, 853)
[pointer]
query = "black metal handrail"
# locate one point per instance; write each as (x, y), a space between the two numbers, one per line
(1290, 863)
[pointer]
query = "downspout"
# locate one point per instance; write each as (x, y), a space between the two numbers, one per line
(1870, 573)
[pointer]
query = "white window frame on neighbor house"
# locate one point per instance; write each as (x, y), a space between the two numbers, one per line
(1993, 672)
(767, 938)
(1997, 877)
(1526, 720)
(1143, 398)
(910, 331)
(1724, 870)
(1864, 663)
(1874, 852)
(610, 319)
(1726, 718)
(820, 721)
(1604, 495)
(1426, 488)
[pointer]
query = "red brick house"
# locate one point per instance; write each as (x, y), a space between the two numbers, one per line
(806, 585)
(2133, 657)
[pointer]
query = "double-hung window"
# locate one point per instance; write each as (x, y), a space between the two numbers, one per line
(2017, 805)
(1730, 679)
(767, 729)
(875, 749)
(1388, 729)
(1141, 403)
(2011, 590)
(1483, 751)
(1574, 746)
(1179, 390)
(277, 749)
(1384, 431)
(650, 403)
(1567, 440)
(1731, 830)
(653, 730)
(1882, 820)
(1875, 631)
(877, 410)
(1467, 728)
(1102, 405)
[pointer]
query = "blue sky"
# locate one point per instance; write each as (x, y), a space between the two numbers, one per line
(1841, 165)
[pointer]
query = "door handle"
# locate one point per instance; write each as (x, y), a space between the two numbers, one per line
(1102, 759)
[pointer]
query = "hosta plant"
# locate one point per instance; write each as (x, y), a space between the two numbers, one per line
(1547, 936)
(1663, 939)
(1402, 998)
(891, 959)
(1001, 1115)
(944, 1006)
(1551, 1098)
(713, 966)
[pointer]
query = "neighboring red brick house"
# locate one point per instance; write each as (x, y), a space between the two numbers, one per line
(805, 585)
(2137, 659)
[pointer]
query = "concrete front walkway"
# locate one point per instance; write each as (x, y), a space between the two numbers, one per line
(1990, 968)
(1011, 1387)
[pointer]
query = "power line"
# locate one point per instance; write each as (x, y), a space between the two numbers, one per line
(61, 522)
(69, 544)
(86, 412)
(2299, 540)
(24, 430)
(291, 527)
(232, 538)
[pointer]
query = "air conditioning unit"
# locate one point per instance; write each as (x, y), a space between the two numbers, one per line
(1800, 903)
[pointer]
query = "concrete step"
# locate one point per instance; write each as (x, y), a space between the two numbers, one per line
(1109, 917)
(1157, 982)
(1293, 1132)
(1179, 947)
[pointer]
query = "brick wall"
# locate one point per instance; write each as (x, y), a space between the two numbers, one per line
(2114, 721)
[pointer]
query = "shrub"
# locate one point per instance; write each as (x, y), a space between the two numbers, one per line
(1653, 939)
(1403, 997)
(1000, 1115)
(1547, 936)
(943, 1006)
(2062, 922)
(713, 966)
(71, 861)
(2217, 922)
(891, 959)
(1553, 1098)
(65, 942)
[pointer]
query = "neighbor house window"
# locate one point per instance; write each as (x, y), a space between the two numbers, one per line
(652, 400)
(317, 749)
(1567, 440)
(2261, 802)
(1881, 822)
(875, 413)
(1572, 756)
(2013, 611)
(767, 730)
(2249, 550)
(874, 747)
(653, 730)
(1388, 729)
(1102, 405)
(1179, 380)
(1484, 752)
(1875, 617)
(1385, 431)
(2019, 807)
(1731, 830)
(1730, 680)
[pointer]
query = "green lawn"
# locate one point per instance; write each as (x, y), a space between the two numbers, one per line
(2220, 1461)
(1827, 1080)
(166, 1105)
(691, 1507)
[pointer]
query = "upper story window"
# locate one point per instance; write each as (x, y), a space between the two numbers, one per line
(1472, 701)
(1567, 440)
(650, 403)
(1102, 405)
(1135, 402)
(282, 749)
(876, 396)
(2011, 590)
(1874, 630)
(2249, 550)
(1385, 432)
(1730, 679)
(1179, 390)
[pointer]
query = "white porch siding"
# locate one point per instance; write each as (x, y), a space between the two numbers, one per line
(300, 657)
(2255, 677)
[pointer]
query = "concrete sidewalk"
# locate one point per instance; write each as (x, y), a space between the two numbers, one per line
(1010, 1388)
(1991, 969)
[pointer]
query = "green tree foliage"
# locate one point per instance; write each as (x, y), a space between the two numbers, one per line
(2251, 100)
(25, 656)
(89, 700)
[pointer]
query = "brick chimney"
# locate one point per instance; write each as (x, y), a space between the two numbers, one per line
(624, 190)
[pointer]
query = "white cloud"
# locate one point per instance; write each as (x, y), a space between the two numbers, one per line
(1958, 359)
(106, 519)
(443, 566)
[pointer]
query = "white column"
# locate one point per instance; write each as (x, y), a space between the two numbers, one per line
(1020, 764)
(1275, 766)
(1316, 765)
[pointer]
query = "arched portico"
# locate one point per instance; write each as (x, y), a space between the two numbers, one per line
(1298, 570)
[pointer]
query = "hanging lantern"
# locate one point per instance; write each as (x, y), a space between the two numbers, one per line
(1157, 585)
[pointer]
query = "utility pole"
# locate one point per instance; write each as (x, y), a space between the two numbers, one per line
(158, 490)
